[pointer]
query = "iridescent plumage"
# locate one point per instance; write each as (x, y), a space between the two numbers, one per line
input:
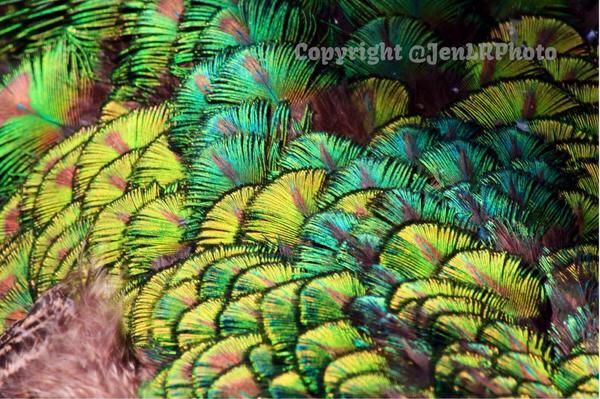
(284, 228)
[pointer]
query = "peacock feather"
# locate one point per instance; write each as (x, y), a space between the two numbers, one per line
(274, 225)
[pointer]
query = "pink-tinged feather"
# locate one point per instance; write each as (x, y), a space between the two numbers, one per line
(62, 253)
(366, 180)
(171, 9)
(267, 282)
(245, 388)
(189, 302)
(408, 211)
(168, 259)
(226, 168)
(14, 317)
(339, 234)
(14, 98)
(65, 177)
(207, 322)
(52, 136)
(118, 182)
(50, 163)
(337, 296)
(123, 217)
(361, 212)
(171, 217)
(11, 222)
(6, 284)
(299, 200)
(226, 127)
(484, 280)
(515, 344)
(239, 214)
(259, 74)
(203, 83)
(326, 157)
(527, 372)
(235, 29)
(410, 147)
(116, 142)
(429, 251)
(187, 370)
(224, 360)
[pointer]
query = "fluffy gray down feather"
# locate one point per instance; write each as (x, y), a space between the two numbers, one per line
(72, 344)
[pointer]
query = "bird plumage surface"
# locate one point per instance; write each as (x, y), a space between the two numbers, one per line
(71, 344)
(279, 227)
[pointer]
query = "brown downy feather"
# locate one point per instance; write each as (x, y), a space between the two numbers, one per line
(334, 111)
(71, 344)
